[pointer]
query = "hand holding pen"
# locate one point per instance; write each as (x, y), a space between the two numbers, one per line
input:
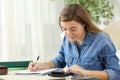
(34, 66)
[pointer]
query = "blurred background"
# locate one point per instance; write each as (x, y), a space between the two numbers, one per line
(29, 28)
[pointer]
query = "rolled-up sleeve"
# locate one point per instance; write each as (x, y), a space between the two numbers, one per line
(59, 60)
(111, 62)
(112, 75)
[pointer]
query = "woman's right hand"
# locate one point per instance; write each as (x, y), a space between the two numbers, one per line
(33, 66)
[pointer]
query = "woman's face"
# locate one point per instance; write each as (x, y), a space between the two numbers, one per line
(73, 30)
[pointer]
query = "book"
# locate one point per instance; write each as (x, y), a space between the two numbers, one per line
(40, 72)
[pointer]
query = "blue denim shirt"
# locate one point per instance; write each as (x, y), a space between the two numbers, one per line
(97, 52)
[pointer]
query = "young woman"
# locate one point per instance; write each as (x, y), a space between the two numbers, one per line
(86, 50)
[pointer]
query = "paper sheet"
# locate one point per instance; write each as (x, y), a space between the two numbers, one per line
(41, 72)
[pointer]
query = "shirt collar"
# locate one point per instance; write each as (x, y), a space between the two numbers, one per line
(88, 38)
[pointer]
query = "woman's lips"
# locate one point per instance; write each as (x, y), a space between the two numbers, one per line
(70, 37)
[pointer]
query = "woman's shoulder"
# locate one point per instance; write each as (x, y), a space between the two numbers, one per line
(97, 35)
(103, 37)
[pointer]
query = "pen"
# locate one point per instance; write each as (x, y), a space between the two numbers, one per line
(37, 59)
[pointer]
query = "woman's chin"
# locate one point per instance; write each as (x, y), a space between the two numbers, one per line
(72, 40)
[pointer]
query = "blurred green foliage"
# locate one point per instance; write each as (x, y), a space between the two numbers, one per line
(99, 10)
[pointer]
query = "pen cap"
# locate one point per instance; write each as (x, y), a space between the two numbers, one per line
(3, 70)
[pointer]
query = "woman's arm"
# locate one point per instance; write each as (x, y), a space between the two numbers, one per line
(39, 66)
(101, 75)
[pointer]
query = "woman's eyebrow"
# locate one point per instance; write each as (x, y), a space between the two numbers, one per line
(72, 27)
(69, 28)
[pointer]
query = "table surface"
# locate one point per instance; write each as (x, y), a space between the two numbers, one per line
(12, 76)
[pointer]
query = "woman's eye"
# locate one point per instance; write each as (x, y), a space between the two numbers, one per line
(73, 29)
(64, 29)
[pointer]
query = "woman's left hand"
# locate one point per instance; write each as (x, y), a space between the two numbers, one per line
(77, 70)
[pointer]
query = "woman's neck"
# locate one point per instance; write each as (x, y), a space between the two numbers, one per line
(79, 41)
